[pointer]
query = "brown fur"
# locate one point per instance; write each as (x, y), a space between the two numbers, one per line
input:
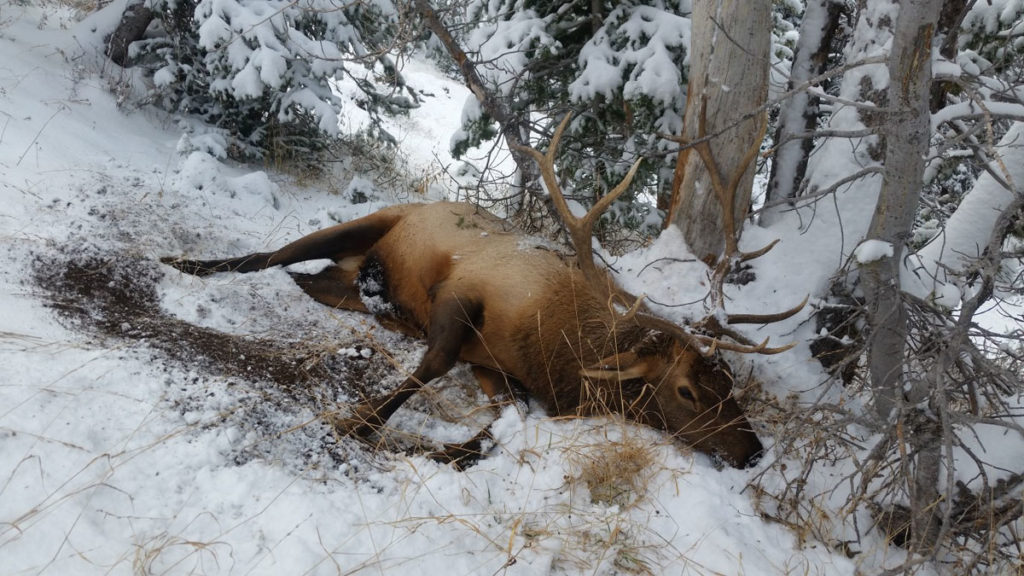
(512, 307)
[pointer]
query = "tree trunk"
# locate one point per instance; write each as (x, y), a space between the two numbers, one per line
(513, 127)
(953, 13)
(133, 24)
(798, 117)
(729, 60)
(907, 129)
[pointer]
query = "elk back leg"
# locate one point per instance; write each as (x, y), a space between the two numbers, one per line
(334, 286)
(337, 242)
(452, 322)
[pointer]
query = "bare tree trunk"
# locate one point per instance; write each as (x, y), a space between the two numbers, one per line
(907, 130)
(729, 58)
(798, 117)
(953, 13)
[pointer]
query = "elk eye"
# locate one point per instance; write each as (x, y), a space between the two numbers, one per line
(685, 393)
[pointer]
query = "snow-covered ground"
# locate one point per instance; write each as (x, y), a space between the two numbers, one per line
(131, 440)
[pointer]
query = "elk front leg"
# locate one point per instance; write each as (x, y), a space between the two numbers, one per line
(503, 391)
(452, 322)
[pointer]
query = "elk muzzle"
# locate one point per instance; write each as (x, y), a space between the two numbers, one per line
(739, 447)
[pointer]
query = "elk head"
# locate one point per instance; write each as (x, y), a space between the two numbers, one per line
(679, 383)
(667, 385)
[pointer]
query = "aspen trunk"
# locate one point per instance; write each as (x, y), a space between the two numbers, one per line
(907, 130)
(132, 27)
(729, 63)
(798, 116)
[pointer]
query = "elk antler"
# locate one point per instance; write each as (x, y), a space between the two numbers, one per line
(725, 192)
(707, 345)
(767, 318)
(581, 230)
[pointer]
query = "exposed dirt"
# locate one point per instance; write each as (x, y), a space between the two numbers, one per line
(117, 298)
(278, 388)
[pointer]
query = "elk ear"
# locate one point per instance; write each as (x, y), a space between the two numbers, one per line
(622, 366)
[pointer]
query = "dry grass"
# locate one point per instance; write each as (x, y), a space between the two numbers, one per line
(168, 554)
(68, 12)
(616, 472)
(594, 522)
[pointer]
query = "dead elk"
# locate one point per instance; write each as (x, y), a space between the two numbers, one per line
(521, 315)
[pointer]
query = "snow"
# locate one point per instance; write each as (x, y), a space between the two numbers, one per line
(649, 34)
(214, 32)
(642, 51)
(116, 456)
(932, 271)
(506, 44)
(872, 251)
(997, 446)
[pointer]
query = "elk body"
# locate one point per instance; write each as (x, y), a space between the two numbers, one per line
(522, 314)
(512, 308)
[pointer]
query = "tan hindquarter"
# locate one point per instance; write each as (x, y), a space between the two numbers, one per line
(453, 250)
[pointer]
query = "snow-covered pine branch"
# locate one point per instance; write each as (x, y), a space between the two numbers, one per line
(273, 75)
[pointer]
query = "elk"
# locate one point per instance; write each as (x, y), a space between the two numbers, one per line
(522, 315)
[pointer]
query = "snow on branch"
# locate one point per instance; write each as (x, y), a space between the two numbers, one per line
(931, 273)
(972, 110)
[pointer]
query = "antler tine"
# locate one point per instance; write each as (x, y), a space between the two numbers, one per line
(767, 318)
(754, 254)
(581, 230)
(715, 343)
(708, 344)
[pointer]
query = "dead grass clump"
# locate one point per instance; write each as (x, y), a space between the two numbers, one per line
(616, 472)
(164, 552)
(616, 547)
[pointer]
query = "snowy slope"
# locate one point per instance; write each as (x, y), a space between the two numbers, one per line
(132, 440)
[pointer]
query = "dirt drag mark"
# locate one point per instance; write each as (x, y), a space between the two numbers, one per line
(276, 388)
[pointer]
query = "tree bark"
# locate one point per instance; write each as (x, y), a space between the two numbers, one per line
(799, 115)
(953, 13)
(729, 63)
(907, 129)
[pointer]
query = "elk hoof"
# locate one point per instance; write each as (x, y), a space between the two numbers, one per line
(362, 423)
(460, 456)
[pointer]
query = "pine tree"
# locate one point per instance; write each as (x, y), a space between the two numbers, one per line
(266, 73)
(621, 67)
